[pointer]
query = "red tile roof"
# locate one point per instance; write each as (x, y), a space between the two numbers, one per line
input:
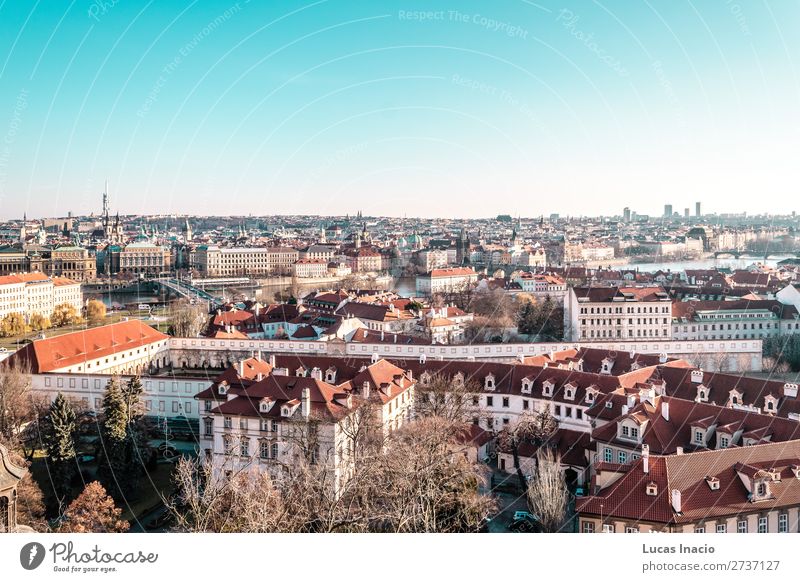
(63, 351)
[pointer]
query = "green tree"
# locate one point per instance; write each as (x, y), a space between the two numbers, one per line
(61, 433)
(123, 446)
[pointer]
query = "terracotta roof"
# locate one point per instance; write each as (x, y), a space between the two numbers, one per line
(627, 498)
(70, 349)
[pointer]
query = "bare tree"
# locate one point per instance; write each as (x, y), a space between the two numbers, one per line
(547, 491)
(187, 320)
(535, 429)
(416, 479)
(18, 404)
(447, 397)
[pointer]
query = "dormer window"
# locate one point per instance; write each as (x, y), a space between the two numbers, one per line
(425, 379)
(458, 379)
(590, 394)
(300, 372)
(265, 405)
(724, 441)
(702, 393)
(762, 490)
(651, 489)
(488, 382)
(526, 386)
(699, 436)
(330, 375)
(547, 388)
(569, 392)
(770, 404)
(713, 483)
(223, 388)
(735, 398)
(796, 471)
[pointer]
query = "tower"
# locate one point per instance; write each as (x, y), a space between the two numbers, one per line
(105, 216)
(187, 231)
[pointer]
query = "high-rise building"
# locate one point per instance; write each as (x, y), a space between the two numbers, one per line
(697, 209)
(686, 212)
(667, 210)
(626, 214)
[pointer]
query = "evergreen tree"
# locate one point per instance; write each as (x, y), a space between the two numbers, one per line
(124, 447)
(61, 433)
(113, 432)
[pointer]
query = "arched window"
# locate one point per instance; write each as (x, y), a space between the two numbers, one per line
(5, 523)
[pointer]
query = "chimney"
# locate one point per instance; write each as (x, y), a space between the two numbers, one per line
(258, 355)
(272, 360)
(678, 450)
(305, 406)
(665, 410)
(381, 335)
(676, 500)
(316, 373)
(365, 390)
(410, 374)
(790, 390)
(395, 338)
(260, 376)
(241, 368)
(646, 458)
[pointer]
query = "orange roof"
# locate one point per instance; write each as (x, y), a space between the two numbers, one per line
(10, 280)
(63, 281)
(452, 272)
(33, 277)
(70, 349)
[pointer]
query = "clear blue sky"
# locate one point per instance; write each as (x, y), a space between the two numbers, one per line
(472, 109)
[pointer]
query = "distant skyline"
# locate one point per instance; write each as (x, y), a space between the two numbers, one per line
(422, 108)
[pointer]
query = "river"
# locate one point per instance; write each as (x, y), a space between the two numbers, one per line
(711, 263)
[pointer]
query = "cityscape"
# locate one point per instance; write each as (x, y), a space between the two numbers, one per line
(316, 351)
(290, 270)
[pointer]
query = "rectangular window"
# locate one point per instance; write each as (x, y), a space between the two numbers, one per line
(700, 529)
(783, 523)
(722, 528)
(244, 447)
(622, 457)
(587, 527)
(608, 528)
(505, 401)
(207, 406)
(608, 455)
(264, 450)
(490, 401)
(762, 525)
(228, 422)
(208, 425)
(631, 530)
(741, 526)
